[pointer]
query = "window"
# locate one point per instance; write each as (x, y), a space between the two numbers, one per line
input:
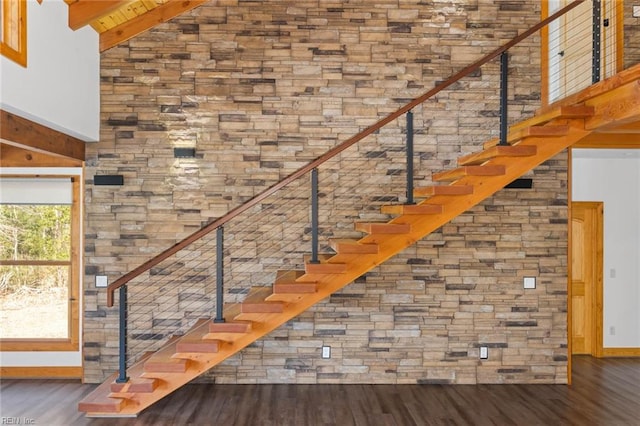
(13, 33)
(39, 227)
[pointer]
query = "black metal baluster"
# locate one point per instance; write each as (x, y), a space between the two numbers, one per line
(595, 62)
(219, 274)
(314, 216)
(504, 83)
(410, 157)
(122, 374)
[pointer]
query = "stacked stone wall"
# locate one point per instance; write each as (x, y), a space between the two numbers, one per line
(261, 88)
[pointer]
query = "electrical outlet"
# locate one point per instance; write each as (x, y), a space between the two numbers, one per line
(612, 273)
(529, 282)
(484, 352)
(326, 352)
(612, 330)
(102, 281)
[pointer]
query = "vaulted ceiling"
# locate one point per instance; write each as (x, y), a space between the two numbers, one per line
(119, 20)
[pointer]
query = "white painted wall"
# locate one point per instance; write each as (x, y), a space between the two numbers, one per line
(613, 177)
(57, 358)
(60, 87)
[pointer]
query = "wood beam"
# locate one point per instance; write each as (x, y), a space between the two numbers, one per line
(83, 12)
(142, 23)
(617, 107)
(26, 134)
(632, 127)
(13, 156)
(610, 140)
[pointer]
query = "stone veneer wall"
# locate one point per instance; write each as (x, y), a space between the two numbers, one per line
(260, 88)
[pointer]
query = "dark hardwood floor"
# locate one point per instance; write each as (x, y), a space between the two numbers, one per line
(604, 392)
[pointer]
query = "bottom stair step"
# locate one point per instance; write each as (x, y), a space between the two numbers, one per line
(101, 404)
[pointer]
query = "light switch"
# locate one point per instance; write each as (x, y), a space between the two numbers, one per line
(529, 282)
(636, 12)
(102, 281)
(326, 352)
(484, 352)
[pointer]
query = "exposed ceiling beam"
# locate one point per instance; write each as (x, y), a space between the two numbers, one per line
(83, 12)
(26, 134)
(148, 20)
(13, 156)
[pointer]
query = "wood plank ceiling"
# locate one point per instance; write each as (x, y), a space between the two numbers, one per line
(119, 20)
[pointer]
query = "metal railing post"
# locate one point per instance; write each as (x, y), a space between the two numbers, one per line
(410, 157)
(314, 216)
(504, 87)
(595, 62)
(219, 274)
(122, 340)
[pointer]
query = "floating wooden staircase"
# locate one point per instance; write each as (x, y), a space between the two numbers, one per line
(478, 176)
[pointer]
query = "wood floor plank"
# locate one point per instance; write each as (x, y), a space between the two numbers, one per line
(604, 392)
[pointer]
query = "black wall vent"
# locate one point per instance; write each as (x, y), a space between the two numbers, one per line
(108, 180)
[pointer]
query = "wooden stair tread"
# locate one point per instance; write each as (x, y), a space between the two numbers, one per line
(96, 402)
(137, 384)
(256, 302)
(229, 327)
(383, 228)
(497, 151)
(122, 395)
(554, 113)
(547, 131)
(196, 334)
(287, 289)
(230, 330)
(460, 172)
(349, 246)
(165, 364)
(430, 191)
(412, 209)
(193, 345)
(324, 267)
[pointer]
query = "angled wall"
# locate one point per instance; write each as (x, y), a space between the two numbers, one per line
(59, 88)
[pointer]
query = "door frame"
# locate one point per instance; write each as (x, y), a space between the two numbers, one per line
(618, 6)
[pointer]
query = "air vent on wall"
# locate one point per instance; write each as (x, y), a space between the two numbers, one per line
(108, 180)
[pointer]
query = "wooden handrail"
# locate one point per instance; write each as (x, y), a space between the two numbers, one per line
(328, 155)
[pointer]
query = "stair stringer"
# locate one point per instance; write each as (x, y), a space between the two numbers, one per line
(453, 206)
(132, 403)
